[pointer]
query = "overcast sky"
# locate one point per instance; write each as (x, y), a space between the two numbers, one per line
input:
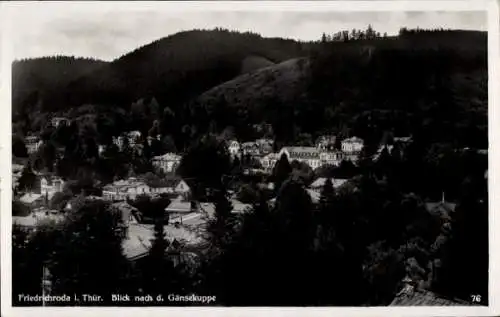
(109, 34)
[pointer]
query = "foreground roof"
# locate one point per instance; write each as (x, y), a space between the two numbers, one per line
(421, 297)
(29, 198)
(138, 241)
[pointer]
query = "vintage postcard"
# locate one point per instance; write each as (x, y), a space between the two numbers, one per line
(249, 158)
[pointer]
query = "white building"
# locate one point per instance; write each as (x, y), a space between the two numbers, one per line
(269, 161)
(33, 143)
(312, 156)
(167, 163)
(306, 154)
(17, 171)
(333, 158)
(234, 148)
(49, 185)
(133, 187)
(352, 145)
(123, 189)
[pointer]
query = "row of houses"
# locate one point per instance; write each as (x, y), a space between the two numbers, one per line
(133, 187)
(316, 156)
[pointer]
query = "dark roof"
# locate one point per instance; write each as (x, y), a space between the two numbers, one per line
(421, 297)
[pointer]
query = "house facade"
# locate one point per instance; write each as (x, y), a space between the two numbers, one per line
(306, 154)
(49, 185)
(33, 143)
(269, 161)
(352, 145)
(167, 163)
(133, 187)
(333, 158)
(234, 148)
(123, 189)
(326, 142)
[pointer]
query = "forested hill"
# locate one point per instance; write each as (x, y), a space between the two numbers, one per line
(428, 80)
(433, 80)
(38, 78)
(177, 67)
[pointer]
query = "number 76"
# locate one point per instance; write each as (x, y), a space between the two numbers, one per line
(476, 298)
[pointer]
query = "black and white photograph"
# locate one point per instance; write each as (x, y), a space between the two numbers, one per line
(199, 157)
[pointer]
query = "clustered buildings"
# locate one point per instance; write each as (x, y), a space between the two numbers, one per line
(324, 153)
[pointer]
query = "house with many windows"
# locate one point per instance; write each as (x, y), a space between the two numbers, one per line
(49, 185)
(133, 187)
(33, 143)
(306, 154)
(351, 148)
(352, 145)
(167, 163)
(269, 161)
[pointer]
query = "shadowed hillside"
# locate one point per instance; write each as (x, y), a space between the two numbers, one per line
(201, 80)
(431, 80)
(36, 79)
(179, 67)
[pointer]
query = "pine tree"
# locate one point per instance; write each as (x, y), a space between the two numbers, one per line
(159, 268)
(323, 38)
(159, 244)
(327, 194)
(220, 228)
(27, 179)
(281, 171)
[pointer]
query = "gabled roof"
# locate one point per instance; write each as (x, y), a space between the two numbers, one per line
(17, 167)
(239, 207)
(29, 198)
(52, 179)
(179, 206)
(139, 238)
(126, 211)
(302, 151)
(315, 196)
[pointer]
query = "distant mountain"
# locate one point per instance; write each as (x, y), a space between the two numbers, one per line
(398, 83)
(37, 79)
(258, 91)
(212, 79)
(179, 67)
